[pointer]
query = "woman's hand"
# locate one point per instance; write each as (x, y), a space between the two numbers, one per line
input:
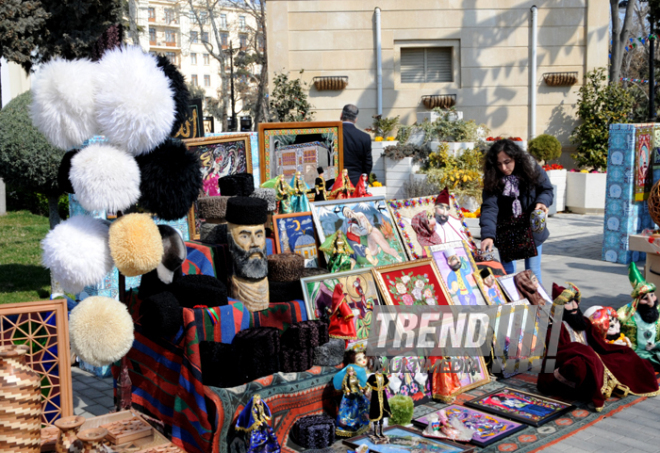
(487, 245)
(542, 207)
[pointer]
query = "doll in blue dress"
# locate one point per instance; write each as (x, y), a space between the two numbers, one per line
(253, 420)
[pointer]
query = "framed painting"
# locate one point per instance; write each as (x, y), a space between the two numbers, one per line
(509, 286)
(520, 406)
(367, 225)
(413, 283)
(490, 287)
(477, 377)
(403, 440)
(43, 326)
(192, 127)
(457, 268)
(488, 428)
(294, 233)
(285, 148)
(421, 223)
(362, 296)
(218, 156)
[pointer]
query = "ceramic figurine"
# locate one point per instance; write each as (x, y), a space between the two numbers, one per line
(253, 420)
(299, 189)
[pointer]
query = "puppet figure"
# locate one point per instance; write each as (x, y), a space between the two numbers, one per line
(340, 252)
(341, 316)
(362, 189)
(640, 319)
(299, 189)
(379, 408)
(343, 187)
(353, 415)
(320, 191)
(253, 420)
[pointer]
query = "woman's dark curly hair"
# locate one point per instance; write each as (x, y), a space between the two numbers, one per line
(526, 169)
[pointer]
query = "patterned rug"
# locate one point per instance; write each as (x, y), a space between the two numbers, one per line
(531, 439)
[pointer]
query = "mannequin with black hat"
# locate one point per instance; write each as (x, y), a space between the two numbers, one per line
(246, 217)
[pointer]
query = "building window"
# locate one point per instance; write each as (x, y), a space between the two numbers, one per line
(206, 59)
(152, 36)
(426, 65)
(193, 37)
(207, 80)
(243, 40)
(223, 21)
(193, 58)
(172, 57)
(152, 14)
(224, 40)
(260, 42)
(169, 16)
(205, 36)
(193, 80)
(170, 36)
(241, 23)
(203, 16)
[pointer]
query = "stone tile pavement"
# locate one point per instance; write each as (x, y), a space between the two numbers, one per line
(572, 253)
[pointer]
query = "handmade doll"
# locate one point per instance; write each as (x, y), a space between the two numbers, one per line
(254, 421)
(341, 316)
(343, 187)
(340, 252)
(299, 189)
(320, 191)
(362, 188)
(606, 323)
(353, 415)
(444, 384)
(282, 193)
(379, 407)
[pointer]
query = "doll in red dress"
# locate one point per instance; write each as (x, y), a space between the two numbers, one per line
(342, 188)
(341, 316)
(362, 188)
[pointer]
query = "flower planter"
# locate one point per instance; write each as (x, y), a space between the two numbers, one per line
(378, 159)
(378, 191)
(585, 192)
(558, 178)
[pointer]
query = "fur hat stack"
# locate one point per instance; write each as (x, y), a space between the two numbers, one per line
(214, 358)
(314, 431)
(213, 233)
(330, 354)
(284, 273)
(247, 211)
(101, 330)
(135, 244)
(63, 180)
(212, 209)
(256, 350)
(297, 346)
(77, 252)
(241, 184)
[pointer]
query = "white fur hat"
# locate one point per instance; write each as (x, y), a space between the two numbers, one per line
(63, 106)
(77, 252)
(105, 178)
(134, 103)
(101, 330)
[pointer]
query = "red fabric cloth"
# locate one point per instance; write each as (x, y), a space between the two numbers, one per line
(597, 369)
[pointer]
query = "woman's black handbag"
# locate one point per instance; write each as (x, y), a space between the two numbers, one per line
(515, 240)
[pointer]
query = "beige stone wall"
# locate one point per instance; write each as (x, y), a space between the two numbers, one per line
(492, 40)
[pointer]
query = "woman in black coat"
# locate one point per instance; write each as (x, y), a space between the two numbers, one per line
(514, 185)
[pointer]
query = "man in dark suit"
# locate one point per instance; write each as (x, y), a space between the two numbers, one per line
(357, 145)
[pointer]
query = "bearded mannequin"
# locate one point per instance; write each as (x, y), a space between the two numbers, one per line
(247, 243)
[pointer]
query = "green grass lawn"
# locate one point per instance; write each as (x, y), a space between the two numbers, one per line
(22, 278)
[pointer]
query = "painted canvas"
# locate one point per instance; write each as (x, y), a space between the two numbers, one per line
(643, 162)
(414, 283)
(457, 267)
(192, 126)
(421, 223)
(488, 428)
(404, 440)
(368, 226)
(362, 296)
(475, 375)
(490, 287)
(520, 406)
(294, 233)
(305, 146)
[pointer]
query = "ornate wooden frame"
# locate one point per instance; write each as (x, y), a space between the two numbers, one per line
(44, 327)
(382, 287)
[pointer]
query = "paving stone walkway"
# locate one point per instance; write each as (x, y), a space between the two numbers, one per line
(92, 396)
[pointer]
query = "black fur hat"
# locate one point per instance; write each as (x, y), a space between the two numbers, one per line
(314, 431)
(175, 253)
(213, 233)
(241, 184)
(295, 360)
(181, 95)
(331, 353)
(247, 211)
(214, 358)
(161, 315)
(170, 180)
(193, 290)
(284, 291)
(285, 267)
(63, 180)
(257, 350)
(268, 195)
(150, 284)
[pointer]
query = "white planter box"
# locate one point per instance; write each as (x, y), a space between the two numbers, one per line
(398, 173)
(558, 178)
(585, 192)
(378, 159)
(457, 148)
(378, 191)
